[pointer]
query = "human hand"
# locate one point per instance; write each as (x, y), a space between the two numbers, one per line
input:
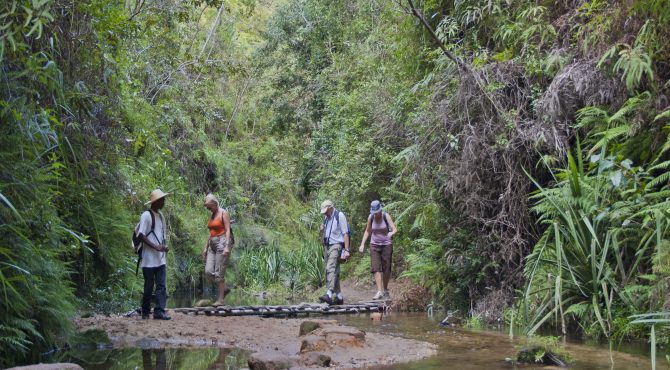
(226, 251)
(321, 227)
(361, 248)
(161, 247)
(204, 253)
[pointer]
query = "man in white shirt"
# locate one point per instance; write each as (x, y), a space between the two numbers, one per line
(152, 231)
(335, 237)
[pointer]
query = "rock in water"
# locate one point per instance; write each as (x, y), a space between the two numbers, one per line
(540, 355)
(316, 359)
(269, 361)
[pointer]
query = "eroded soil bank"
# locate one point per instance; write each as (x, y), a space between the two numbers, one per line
(270, 338)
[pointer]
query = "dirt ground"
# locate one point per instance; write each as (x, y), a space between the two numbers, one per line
(279, 336)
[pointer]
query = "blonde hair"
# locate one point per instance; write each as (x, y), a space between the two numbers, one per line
(210, 198)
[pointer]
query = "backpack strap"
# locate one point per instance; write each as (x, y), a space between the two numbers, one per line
(153, 225)
(384, 214)
(153, 220)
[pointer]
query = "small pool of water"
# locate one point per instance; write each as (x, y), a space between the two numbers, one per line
(484, 349)
(157, 358)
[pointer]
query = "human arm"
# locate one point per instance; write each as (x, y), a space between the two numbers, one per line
(344, 229)
(226, 224)
(394, 229)
(366, 235)
(150, 244)
(204, 251)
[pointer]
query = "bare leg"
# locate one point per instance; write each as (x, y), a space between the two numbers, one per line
(378, 280)
(222, 288)
(387, 277)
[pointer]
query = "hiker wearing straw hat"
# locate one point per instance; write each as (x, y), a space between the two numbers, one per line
(152, 230)
(336, 247)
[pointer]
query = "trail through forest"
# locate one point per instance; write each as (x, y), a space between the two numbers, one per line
(522, 149)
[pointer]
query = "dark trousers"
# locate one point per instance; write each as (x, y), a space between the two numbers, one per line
(158, 276)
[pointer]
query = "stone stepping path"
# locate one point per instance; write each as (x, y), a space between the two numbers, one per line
(287, 310)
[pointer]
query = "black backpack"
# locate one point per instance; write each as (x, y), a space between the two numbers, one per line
(137, 241)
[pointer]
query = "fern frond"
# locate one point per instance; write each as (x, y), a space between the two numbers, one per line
(609, 135)
(663, 178)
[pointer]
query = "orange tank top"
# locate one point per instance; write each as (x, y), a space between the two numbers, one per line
(216, 226)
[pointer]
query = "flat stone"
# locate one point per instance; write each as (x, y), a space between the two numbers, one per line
(309, 326)
(59, 366)
(269, 361)
(313, 343)
(344, 336)
(344, 330)
(316, 359)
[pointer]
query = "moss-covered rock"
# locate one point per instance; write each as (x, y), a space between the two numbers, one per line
(541, 355)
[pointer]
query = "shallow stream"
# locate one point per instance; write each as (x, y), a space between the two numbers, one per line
(457, 348)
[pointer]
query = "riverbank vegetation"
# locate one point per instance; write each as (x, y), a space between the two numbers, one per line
(522, 148)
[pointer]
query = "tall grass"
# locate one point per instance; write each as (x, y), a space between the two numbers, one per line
(653, 319)
(268, 266)
(602, 226)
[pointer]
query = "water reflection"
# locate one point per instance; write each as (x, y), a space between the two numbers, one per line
(149, 364)
(484, 349)
(161, 359)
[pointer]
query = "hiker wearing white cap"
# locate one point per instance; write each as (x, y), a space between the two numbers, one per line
(152, 230)
(217, 249)
(336, 246)
(380, 225)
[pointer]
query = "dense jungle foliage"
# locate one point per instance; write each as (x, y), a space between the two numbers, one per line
(522, 148)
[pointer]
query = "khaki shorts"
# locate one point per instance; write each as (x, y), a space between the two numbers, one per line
(380, 258)
(217, 260)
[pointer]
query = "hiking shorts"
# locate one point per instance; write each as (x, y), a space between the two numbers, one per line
(380, 257)
(215, 267)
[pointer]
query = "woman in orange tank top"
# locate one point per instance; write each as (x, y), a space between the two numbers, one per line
(217, 249)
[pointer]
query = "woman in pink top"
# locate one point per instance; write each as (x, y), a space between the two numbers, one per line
(381, 227)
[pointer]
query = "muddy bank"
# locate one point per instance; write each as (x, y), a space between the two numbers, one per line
(347, 347)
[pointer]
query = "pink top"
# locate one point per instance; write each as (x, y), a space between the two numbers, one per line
(380, 231)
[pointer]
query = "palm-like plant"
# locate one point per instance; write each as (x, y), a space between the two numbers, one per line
(601, 228)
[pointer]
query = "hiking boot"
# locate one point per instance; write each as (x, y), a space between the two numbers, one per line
(338, 301)
(377, 296)
(162, 316)
(218, 304)
(387, 295)
(145, 316)
(325, 299)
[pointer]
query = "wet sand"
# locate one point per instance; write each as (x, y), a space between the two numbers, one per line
(255, 334)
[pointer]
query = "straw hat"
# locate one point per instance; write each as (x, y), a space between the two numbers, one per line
(156, 195)
(325, 205)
